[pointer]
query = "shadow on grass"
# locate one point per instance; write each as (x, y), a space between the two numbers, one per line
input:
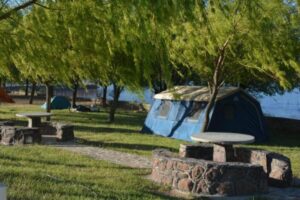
(104, 129)
(280, 140)
(40, 161)
(102, 118)
(144, 147)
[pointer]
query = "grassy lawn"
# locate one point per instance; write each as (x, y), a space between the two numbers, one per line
(40, 172)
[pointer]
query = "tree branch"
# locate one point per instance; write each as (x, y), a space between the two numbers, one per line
(46, 7)
(15, 9)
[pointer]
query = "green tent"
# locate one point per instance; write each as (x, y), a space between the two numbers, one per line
(58, 102)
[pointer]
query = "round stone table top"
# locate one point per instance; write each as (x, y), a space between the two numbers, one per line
(34, 114)
(223, 138)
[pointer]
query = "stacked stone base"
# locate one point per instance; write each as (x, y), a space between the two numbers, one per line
(18, 136)
(63, 132)
(199, 176)
(276, 166)
(11, 135)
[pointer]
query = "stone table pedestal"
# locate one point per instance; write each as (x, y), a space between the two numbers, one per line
(223, 150)
(223, 153)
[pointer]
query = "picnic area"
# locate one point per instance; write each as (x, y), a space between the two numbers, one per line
(143, 99)
(49, 172)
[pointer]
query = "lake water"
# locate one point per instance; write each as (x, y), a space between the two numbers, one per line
(286, 105)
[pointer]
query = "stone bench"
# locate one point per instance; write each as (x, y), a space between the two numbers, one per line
(276, 166)
(11, 135)
(47, 128)
(64, 132)
(7, 123)
(198, 176)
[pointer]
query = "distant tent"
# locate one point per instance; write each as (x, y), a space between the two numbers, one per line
(4, 97)
(179, 113)
(58, 102)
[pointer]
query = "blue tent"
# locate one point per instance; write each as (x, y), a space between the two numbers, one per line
(58, 102)
(179, 113)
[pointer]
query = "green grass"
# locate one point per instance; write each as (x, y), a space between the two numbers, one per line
(38, 172)
(41, 172)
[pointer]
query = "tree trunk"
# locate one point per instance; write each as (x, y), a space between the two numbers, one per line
(209, 107)
(49, 93)
(32, 92)
(4, 84)
(74, 96)
(26, 87)
(115, 102)
(104, 96)
(215, 84)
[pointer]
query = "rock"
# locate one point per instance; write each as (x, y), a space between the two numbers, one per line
(7, 135)
(182, 166)
(162, 165)
(167, 180)
(197, 172)
(170, 164)
(225, 188)
(202, 187)
(185, 185)
(212, 174)
(155, 175)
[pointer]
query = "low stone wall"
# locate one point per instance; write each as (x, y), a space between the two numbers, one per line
(207, 177)
(276, 166)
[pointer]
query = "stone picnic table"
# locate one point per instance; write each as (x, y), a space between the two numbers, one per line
(34, 118)
(223, 143)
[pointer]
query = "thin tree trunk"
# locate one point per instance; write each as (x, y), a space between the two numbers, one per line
(104, 96)
(74, 95)
(32, 93)
(215, 84)
(26, 88)
(49, 93)
(209, 107)
(115, 102)
(4, 84)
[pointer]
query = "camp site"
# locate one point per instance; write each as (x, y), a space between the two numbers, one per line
(143, 99)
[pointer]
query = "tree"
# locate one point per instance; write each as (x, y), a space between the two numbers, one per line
(228, 41)
(39, 49)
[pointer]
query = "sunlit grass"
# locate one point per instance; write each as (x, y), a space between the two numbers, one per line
(41, 172)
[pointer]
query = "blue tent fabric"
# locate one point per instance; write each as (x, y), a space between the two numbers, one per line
(58, 102)
(236, 112)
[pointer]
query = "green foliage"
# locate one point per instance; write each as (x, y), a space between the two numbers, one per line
(261, 35)
(130, 43)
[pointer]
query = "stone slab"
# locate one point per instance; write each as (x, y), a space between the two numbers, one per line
(223, 138)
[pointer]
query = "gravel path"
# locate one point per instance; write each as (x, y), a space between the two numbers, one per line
(98, 153)
(125, 159)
